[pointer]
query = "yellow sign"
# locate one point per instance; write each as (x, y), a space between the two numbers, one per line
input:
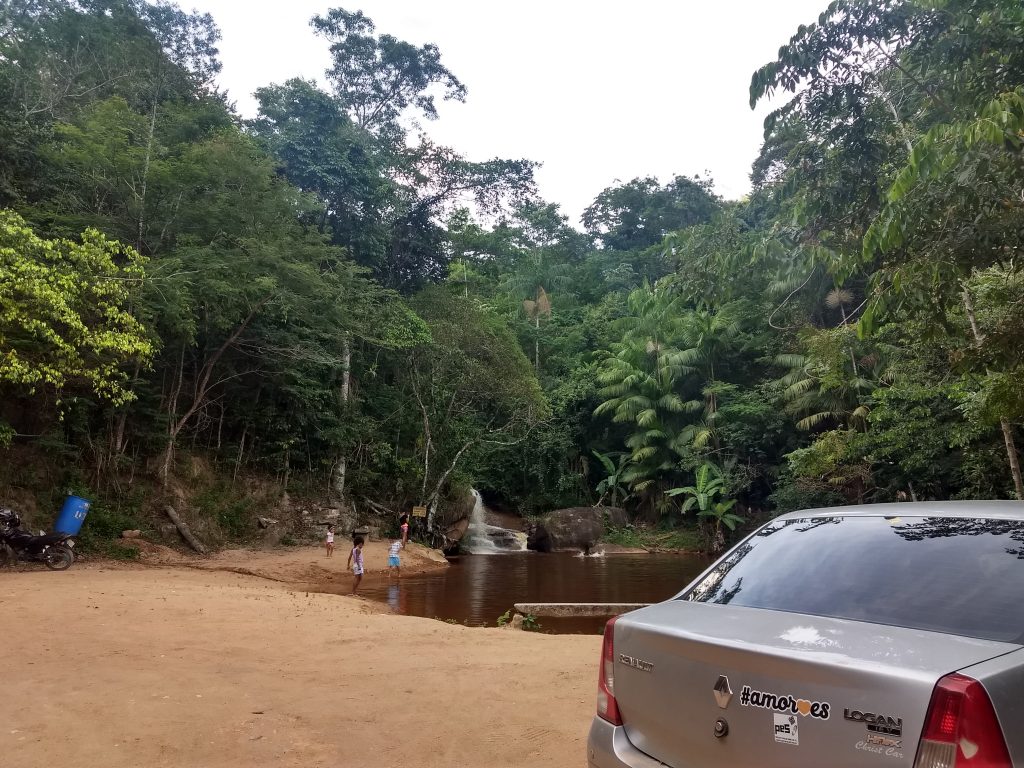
(419, 511)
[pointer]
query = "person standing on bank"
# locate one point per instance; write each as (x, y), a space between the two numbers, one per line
(355, 562)
(404, 529)
(329, 543)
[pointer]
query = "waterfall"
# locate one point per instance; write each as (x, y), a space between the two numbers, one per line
(482, 538)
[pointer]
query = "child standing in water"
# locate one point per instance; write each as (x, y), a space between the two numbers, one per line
(394, 563)
(355, 562)
(330, 540)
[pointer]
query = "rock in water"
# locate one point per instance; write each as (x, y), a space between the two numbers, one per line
(576, 528)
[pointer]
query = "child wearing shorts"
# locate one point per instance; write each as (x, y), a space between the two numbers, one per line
(394, 563)
(329, 543)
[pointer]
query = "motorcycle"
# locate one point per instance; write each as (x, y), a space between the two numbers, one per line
(54, 550)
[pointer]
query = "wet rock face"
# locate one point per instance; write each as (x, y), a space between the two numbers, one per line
(575, 528)
(456, 532)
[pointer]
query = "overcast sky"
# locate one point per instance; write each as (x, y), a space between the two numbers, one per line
(597, 91)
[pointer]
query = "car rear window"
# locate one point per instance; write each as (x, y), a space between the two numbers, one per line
(955, 575)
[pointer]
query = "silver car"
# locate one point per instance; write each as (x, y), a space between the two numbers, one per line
(883, 635)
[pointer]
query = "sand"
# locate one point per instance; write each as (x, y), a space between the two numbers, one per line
(184, 666)
(300, 565)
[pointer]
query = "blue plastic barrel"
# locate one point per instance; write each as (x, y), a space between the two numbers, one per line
(72, 515)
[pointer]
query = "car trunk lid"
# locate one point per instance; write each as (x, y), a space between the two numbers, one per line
(788, 690)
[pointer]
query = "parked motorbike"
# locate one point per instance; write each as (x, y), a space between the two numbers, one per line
(54, 550)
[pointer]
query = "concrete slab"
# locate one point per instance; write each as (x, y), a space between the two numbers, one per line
(576, 610)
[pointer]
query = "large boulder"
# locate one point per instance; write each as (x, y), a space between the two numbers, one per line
(575, 528)
(456, 532)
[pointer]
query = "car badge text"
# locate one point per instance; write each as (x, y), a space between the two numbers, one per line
(629, 661)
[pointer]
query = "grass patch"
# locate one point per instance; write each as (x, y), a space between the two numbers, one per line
(103, 526)
(234, 515)
(115, 551)
(688, 539)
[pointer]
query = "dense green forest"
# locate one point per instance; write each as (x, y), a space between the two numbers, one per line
(325, 297)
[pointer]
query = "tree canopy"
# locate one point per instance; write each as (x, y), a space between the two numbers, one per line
(327, 297)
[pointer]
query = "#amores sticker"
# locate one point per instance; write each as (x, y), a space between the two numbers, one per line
(784, 703)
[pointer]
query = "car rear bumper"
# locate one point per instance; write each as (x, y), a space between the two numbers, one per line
(609, 747)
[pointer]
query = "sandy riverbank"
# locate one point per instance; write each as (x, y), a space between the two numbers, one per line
(298, 565)
(171, 666)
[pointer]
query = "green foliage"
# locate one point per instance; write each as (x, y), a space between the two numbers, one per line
(640, 213)
(65, 315)
(115, 551)
(320, 299)
(234, 515)
(378, 78)
(684, 539)
(103, 527)
(611, 486)
(708, 484)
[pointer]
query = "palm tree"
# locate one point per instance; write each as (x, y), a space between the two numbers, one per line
(640, 378)
(709, 338)
(536, 275)
(823, 389)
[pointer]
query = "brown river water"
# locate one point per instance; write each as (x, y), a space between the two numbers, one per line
(477, 589)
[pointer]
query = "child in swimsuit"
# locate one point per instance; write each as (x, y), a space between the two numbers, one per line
(330, 540)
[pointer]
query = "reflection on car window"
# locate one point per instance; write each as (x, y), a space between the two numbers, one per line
(963, 576)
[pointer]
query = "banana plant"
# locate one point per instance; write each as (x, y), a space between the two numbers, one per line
(612, 484)
(708, 486)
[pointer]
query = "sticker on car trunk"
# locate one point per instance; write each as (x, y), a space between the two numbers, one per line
(785, 703)
(787, 729)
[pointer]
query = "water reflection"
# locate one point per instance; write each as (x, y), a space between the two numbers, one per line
(477, 589)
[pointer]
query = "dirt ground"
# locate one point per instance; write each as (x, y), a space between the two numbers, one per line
(179, 666)
(298, 565)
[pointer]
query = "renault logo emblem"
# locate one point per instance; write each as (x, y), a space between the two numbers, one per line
(723, 693)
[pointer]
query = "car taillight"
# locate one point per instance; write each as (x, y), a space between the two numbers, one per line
(607, 707)
(961, 729)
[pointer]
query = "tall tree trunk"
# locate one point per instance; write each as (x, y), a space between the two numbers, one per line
(427, 441)
(1011, 452)
(853, 358)
(536, 343)
(241, 453)
(432, 501)
(172, 412)
(141, 194)
(202, 389)
(341, 467)
(117, 441)
(1004, 423)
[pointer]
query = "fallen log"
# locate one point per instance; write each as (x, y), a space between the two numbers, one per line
(380, 507)
(183, 529)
